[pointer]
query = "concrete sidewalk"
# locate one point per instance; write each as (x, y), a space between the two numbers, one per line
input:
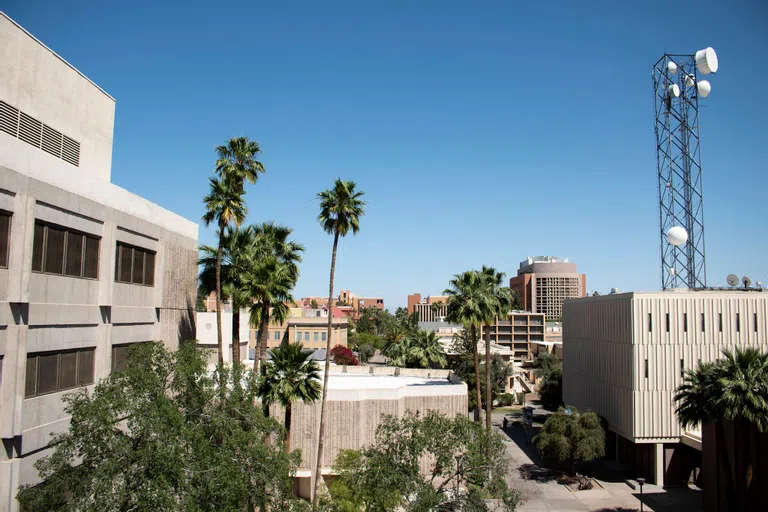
(542, 492)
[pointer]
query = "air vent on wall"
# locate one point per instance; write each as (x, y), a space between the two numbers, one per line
(42, 136)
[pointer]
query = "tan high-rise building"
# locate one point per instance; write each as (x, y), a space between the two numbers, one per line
(431, 309)
(545, 282)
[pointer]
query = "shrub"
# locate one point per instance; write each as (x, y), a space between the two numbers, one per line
(344, 356)
(505, 399)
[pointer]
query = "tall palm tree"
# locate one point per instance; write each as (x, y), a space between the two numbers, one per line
(237, 257)
(340, 210)
(426, 350)
(735, 389)
(223, 205)
(470, 303)
(290, 377)
(237, 160)
(501, 301)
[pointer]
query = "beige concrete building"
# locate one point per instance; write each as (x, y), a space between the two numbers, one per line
(545, 282)
(624, 356)
(86, 267)
(517, 332)
(433, 308)
(358, 396)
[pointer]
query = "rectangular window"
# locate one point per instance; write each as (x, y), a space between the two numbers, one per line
(317, 336)
(5, 237)
(119, 358)
(62, 251)
(646, 368)
(703, 323)
(738, 323)
(667, 322)
(134, 265)
(306, 336)
(685, 322)
(322, 336)
(682, 368)
(277, 336)
(50, 372)
(650, 323)
(720, 321)
(754, 317)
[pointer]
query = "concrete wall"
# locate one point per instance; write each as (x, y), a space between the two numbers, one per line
(43, 85)
(607, 341)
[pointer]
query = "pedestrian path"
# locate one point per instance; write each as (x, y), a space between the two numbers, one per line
(542, 492)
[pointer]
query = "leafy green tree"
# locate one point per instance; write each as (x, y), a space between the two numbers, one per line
(500, 307)
(223, 205)
(462, 365)
(549, 370)
(733, 389)
(517, 301)
(386, 476)
(340, 210)
(160, 436)
(471, 304)
(200, 300)
(365, 352)
(291, 376)
(313, 304)
(572, 436)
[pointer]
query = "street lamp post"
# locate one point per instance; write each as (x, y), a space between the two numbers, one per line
(641, 481)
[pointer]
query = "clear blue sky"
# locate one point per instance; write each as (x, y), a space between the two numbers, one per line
(481, 132)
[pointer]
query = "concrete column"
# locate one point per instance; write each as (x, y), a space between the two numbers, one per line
(658, 464)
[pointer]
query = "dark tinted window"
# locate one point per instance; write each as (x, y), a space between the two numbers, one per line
(91, 268)
(85, 367)
(134, 265)
(68, 370)
(47, 373)
(74, 255)
(30, 388)
(54, 251)
(37, 248)
(119, 357)
(5, 236)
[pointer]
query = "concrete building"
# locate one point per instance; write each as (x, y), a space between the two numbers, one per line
(86, 267)
(517, 332)
(624, 356)
(358, 396)
(207, 334)
(433, 308)
(545, 282)
(312, 332)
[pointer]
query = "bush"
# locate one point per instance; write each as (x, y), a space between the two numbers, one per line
(572, 436)
(344, 356)
(505, 400)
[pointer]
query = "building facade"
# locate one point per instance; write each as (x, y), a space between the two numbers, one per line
(86, 267)
(517, 332)
(433, 308)
(545, 282)
(624, 356)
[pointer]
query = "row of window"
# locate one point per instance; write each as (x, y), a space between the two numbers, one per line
(682, 368)
(703, 322)
(51, 372)
(317, 336)
(65, 251)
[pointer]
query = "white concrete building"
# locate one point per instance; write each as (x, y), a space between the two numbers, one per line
(86, 267)
(624, 356)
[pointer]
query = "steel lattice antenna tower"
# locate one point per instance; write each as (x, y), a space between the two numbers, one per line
(676, 93)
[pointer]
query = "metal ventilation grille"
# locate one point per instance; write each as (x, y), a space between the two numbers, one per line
(42, 136)
(71, 151)
(51, 141)
(30, 130)
(9, 119)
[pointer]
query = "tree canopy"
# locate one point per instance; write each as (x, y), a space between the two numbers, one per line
(160, 436)
(549, 370)
(572, 436)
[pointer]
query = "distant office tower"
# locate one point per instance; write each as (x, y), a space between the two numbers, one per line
(431, 309)
(545, 282)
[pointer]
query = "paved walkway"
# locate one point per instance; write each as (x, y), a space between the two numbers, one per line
(542, 492)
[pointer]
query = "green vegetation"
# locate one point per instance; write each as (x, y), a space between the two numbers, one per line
(420, 349)
(340, 210)
(160, 436)
(500, 302)
(572, 436)
(733, 389)
(463, 365)
(290, 377)
(549, 371)
(386, 476)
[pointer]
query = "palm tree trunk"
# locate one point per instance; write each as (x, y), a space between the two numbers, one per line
(218, 294)
(320, 440)
(288, 413)
(488, 396)
(476, 361)
(235, 334)
(725, 460)
(263, 335)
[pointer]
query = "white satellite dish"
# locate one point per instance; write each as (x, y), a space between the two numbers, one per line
(706, 61)
(673, 91)
(671, 67)
(690, 80)
(671, 270)
(677, 236)
(703, 86)
(732, 280)
(746, 281)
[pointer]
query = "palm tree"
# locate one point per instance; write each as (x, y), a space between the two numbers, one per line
(470, 303)
(290, 377)
(237, 161)
(223, 205)
(340, 210)
(501, 302)
(426, 350)
(735, 389)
